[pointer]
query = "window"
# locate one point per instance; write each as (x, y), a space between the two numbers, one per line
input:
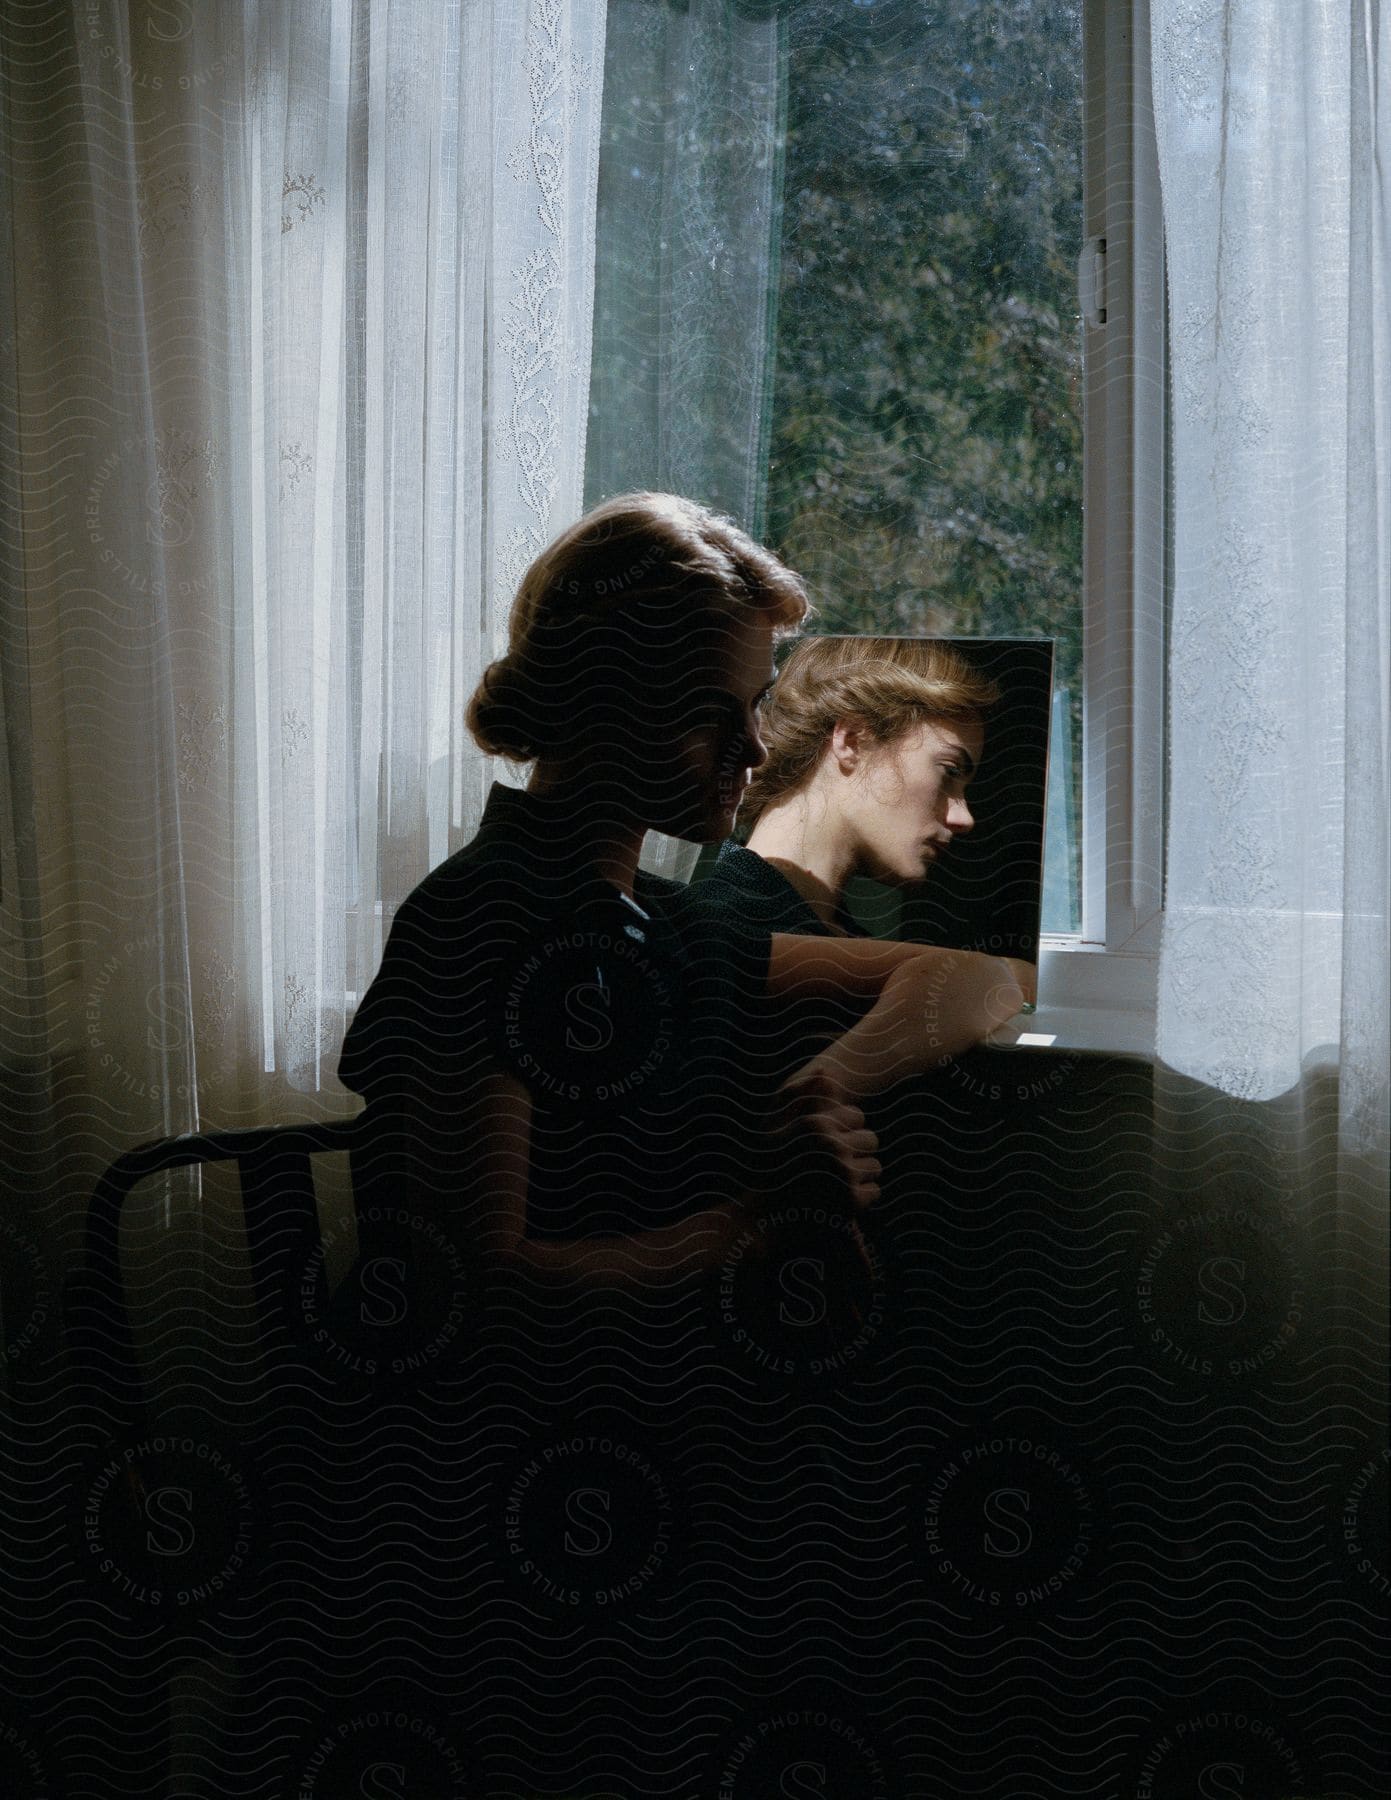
(925, 470)
(885, 279)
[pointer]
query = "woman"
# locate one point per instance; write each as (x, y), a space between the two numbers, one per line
(640, 648)
(872, 744)
(555, 1054)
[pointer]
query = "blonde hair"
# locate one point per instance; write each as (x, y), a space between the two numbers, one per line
(892, 684)
(618, 617)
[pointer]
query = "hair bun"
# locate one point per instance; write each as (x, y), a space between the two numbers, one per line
(502, 715)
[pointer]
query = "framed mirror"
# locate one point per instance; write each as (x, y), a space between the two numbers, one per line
(985, 890)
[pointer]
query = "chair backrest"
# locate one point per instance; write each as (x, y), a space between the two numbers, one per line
(282, 1227)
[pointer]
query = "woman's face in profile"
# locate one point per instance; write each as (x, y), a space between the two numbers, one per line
(693, 765)
(908, 804)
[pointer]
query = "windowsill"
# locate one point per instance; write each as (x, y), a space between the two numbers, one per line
(1091, 1002)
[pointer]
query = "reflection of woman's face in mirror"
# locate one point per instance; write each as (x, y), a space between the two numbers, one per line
(903, 803)
(872, 744)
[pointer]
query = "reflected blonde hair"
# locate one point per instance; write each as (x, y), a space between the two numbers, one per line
(617, 617)
(891, 684)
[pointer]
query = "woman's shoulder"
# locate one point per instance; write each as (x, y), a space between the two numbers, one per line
(742, 885)
(494, 887)
(720, 942)
(454, 942)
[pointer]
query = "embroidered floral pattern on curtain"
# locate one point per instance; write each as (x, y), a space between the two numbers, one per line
(300, 378)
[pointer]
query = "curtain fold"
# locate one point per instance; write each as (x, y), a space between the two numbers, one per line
(1272, 1079)
(294, 374)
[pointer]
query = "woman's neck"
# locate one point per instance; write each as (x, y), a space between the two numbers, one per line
(816, 858)
(589, 830)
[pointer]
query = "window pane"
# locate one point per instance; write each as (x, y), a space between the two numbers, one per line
(926, 442)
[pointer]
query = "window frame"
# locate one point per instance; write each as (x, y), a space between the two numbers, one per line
(1097, 987)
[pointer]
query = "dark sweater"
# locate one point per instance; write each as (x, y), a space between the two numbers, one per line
(623, 1020)
(744, 890)
(743, 887)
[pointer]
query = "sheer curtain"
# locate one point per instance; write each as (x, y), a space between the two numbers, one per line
(690, 215)
(294, 363)
(1273, 996)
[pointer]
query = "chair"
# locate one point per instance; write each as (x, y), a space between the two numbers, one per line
(277, 1185)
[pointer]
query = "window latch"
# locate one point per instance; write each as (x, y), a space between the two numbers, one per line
(1091, 281)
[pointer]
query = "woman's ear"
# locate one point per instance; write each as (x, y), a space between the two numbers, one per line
(850, 739)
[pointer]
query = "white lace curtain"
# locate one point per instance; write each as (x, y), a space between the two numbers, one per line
(294, 385)
(1273, 123)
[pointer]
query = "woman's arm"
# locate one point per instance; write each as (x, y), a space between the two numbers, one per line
(836, 968)
(487, 1205)
(823, 1140)
(928, 1005)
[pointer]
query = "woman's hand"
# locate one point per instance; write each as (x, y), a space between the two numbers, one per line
(1025, 975)
(934, 1003)
(823, 1140)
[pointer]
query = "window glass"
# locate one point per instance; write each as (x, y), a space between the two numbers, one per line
(836, 296)
(925, 471)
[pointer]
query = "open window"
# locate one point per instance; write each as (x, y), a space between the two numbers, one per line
(885, 280)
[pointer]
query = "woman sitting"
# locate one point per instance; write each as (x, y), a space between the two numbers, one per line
(552, 1047)
(555, 1055)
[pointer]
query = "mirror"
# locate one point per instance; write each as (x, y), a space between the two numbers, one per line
(986, 891)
